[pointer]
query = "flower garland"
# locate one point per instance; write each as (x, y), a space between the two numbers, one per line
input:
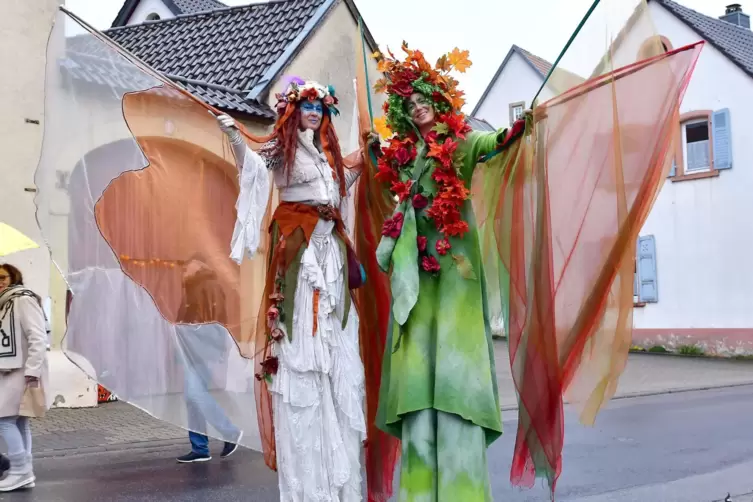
(397, 163)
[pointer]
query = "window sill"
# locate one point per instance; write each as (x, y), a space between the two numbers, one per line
(639, 305)
(695, 176)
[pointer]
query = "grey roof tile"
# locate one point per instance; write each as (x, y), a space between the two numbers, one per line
(733, 41)
(192, 6)
(207, 46)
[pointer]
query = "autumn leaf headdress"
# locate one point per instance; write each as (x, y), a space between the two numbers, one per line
(415, 74)
(298, 90)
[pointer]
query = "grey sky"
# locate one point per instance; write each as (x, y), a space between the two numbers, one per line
(487, 28)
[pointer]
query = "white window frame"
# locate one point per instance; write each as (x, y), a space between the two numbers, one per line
(514, 107)
(685, 154)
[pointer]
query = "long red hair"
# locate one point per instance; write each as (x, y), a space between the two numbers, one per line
(286, 133)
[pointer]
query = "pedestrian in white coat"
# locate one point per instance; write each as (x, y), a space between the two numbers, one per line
(23, 363)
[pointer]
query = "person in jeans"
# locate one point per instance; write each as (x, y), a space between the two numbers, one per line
(204, 344)
(23, 363)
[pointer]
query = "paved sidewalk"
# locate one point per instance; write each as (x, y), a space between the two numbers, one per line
(117, 425)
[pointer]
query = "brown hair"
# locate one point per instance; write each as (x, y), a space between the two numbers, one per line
(286, 133)
(16, 277)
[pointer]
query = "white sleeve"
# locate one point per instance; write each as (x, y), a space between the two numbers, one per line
(251, 204)
(351, 175)
(32, 325)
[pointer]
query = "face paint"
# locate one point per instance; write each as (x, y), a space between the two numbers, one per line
(311, 114)
(420, 109)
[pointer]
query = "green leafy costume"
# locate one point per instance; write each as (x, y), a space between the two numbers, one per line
(439, 386)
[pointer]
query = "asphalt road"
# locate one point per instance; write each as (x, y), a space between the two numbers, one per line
(688, 447)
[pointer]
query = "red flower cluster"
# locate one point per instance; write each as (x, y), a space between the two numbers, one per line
(402, 82)
(393, 226)
(430, 264)
(396, 156)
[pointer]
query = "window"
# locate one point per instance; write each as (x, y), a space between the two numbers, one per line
(153, 17)
(645, 288)
(516, 111)
(703, 146)
(696, 146)
(653, 47)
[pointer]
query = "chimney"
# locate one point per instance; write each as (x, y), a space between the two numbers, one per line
(734, 14)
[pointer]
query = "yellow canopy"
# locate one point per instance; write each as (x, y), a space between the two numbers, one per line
(12, 241)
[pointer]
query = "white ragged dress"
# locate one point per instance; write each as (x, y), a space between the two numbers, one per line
(318, 391)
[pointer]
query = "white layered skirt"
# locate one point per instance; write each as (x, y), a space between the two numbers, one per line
(318, 391)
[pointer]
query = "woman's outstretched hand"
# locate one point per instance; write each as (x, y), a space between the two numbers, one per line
(229, 127)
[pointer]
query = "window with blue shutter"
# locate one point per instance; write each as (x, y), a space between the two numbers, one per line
(648, 291)
(722, 138)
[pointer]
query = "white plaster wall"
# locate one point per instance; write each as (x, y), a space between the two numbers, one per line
(26, 25)
(702, 229)
(147, 7)
(517, 82)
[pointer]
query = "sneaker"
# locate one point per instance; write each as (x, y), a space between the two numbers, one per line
(194, 457)
(15, 481)
(231, 448)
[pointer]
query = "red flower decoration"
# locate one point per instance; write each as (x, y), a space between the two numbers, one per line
(402, 189)
(421, 241)
(270, 366)
(386, 174)
(456, 123)
(458, 228)
(402, 156)
(277, 334)
(420, 201)
(443, 246)
(393, 226)
(430, 264)
(404, 89)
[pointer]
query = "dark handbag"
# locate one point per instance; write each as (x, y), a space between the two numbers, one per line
(356, 272)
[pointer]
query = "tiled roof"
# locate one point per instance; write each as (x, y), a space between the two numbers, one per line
(539, 65)
(733, 41)
(191, 6)
(230, 47)
(479, 124)
(222, 54)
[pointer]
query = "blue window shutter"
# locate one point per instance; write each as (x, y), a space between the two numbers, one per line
(721, 126)
(648, 291)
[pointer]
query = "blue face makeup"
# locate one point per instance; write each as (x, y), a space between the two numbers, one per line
(312, 107)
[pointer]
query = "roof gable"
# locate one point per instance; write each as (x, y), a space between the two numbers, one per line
(177, 7)
(539, 65)
(735, 42)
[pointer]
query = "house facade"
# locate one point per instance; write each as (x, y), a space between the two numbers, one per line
(513, 86)
(693, 281)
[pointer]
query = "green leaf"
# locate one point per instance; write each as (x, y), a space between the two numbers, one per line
(465, 268)
(404, 280)
(441, 128)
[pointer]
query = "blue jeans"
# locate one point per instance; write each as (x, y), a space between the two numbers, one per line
(16, 433)
(201, 405)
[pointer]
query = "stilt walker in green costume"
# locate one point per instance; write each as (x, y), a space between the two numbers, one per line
(439, 386)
